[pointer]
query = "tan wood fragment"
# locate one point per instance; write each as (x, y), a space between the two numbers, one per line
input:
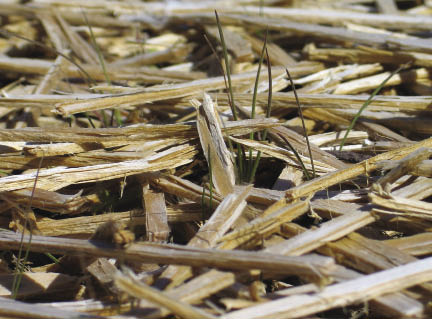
(10, 308)
(156, 215)
(56, 178)
(140, 290)
(416, 245)
(175, 254)
(329, 231)
(153, 94)
(228, 211)
(213, 145)
(364, 167)
(83, 227)
(342, 294)
(262, 226)
(39, 285)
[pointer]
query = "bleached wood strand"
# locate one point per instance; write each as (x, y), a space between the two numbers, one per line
(141, 132)
(311, 239)
(226, 214)
(137, 289)
(55, 178)
(368, 55)
(332, 101)
(10, 308)
(213, 145)
(363, 167)
(309, 265)
(264, 225)
(156, 93)
(279, 99)
(317, 31)
(371, 82)
(342, 294)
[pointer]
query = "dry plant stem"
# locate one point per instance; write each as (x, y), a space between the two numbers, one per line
(341, 294)
(174, 254)
(137, 289)
(363, 167)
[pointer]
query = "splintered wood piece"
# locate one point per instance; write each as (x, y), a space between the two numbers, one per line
(363, 167)
(195, 290)
(214, 148)
(404, 166)
(371, 82)
(78, 45)
(39, 285)
(125, 135)
(85, 226)
(368, 55)
(138, 289)
(342, 294)
(319, 31)
(299, 143)
(10, 308)
(420, 189)
(228, 211)
(416, 245)
(262, 226)
(181, 187)
(155, 93)
(366, 255)
(54, 74)
(284, 154)
(287, 101)
(234, 42)
(396, 303)
(401, 206)
(104, 271)
(51, 201)
(156, 215)
(55, 178)
(176, 254)
(329, 231)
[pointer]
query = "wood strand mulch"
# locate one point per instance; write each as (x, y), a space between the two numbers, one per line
(131, 188)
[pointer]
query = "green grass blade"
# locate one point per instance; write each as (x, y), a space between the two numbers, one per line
(240, 156)
(305, 171)
(302, 120)
(229, 101)
(268, 112)
(366, 104)
(227, 68)
(20, 266)
(254, 98)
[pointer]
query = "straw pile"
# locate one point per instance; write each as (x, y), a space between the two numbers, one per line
(156, 161)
